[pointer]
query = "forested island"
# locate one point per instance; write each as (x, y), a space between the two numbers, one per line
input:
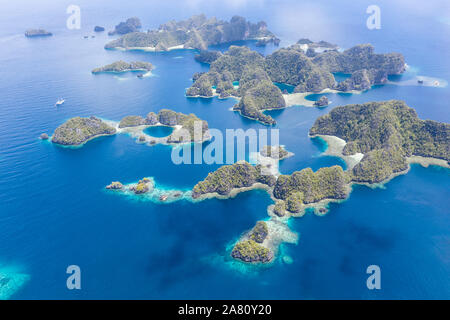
(311, 72)
(77, 131)
(122, 66)
(197, 32)
(389, 134)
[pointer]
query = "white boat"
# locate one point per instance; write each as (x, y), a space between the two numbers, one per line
(59, 102)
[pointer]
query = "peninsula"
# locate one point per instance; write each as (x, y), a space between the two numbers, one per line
(197, 32)
(122, 66)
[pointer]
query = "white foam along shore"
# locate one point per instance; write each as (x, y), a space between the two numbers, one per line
(335, 147)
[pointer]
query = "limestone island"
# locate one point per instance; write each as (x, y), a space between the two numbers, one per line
(32, 33)
(130, 25)
(187, 128)
(77, 131)
(308, 74)
(250, 249)
(389, 134)
(122, 66)
(380, 140)
(197, 32)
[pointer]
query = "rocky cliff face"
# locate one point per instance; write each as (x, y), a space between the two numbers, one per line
(130, 25)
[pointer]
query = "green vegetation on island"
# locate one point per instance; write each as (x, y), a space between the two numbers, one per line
(306, 186)
(256, 90)
(197, 32)
(251, 251)
(130, 25)
(132, 121)
(122, 66)
(279, 208)
(239, 175)
(259, 232)
(115, 185)
(206, 56)
(76, 131)
(386, 133)
(143, 186)
(360, 57)
(292, 66)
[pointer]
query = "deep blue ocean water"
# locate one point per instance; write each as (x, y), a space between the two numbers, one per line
(54, 211)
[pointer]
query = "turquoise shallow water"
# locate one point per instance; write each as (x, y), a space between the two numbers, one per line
(54, 211)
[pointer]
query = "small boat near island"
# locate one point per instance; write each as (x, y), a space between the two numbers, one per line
(59, 102)
(163, 197)
(140, 75)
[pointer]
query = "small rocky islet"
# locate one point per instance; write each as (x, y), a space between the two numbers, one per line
(122, 66)
(132, 24)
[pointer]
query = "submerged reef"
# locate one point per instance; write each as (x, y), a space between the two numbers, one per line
(197, 32)
(11, 282)
(122, 66)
